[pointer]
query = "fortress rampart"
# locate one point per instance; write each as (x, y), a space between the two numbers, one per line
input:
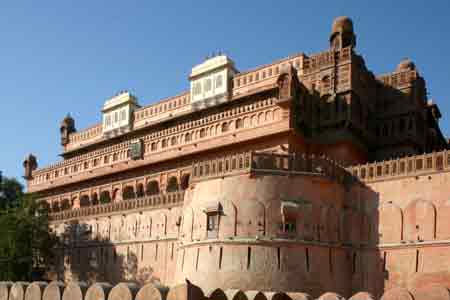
(279, 178)
(57, 290)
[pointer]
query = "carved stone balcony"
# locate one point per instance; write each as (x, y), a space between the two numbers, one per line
(156, 201)
(276, 164)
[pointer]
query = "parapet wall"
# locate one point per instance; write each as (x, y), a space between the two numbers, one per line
(403, 167)
(131, 291)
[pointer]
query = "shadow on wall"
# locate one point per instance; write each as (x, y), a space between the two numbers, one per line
(131, 291)
(82, 258)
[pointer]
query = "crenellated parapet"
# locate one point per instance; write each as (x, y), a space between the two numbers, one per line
(410, 166)
(74, 290)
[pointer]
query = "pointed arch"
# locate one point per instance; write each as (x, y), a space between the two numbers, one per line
(152, 188)
(390, 228)
(420, 221)
(84, 201)
(128, 193)
(172, 184)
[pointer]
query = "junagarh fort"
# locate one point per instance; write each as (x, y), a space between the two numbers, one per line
(309, 175)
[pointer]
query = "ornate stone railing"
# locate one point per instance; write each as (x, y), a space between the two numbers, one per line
(325, 58)
(160, 200)
(402, 167)
(268, 162)
(397, 79)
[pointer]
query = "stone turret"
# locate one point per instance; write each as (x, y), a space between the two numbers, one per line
(30, 164)
(67, 127)
(342, 34)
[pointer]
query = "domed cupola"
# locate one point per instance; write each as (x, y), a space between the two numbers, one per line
(406, 65)
(342, 34)
(67, 127)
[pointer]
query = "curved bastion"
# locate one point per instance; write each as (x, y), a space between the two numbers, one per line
(263, 230)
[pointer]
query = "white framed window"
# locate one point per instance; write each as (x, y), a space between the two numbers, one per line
(208, 84)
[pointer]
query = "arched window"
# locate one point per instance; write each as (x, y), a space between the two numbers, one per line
(174, 141)
(202, 133)
(128, 193)
(105, 197)
(172, 184)
(65, 204)
(225, 127)
(239, 123)
(187, 137)
(152, 187)
(164, 143)
(184, 181)
(84, 201)
(154, 146)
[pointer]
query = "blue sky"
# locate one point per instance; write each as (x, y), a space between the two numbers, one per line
(70, 56)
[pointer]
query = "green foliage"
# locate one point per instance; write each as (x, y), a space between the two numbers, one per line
(26, 242)
(11, 191)
(105, 198)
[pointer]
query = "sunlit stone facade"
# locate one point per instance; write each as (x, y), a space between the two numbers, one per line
(305, 175)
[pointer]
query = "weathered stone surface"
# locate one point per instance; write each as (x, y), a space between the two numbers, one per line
(331, 296)
(348, 114)
(397, 294)
(276, 296)
(74, 291)
(431, 292)
(234, 294)
(185, 291)
(217, 294)
(98, 291)
(152, 292)
(255, 295)
(17, 291)
(5, 286)
(35, 290)
(362, 296)
(299, 296)
(53, 291)
(124, 291)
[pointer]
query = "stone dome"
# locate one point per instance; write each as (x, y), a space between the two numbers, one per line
(342, 25)
(406, 64)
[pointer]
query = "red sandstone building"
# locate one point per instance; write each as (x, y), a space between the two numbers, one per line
(308, 174)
